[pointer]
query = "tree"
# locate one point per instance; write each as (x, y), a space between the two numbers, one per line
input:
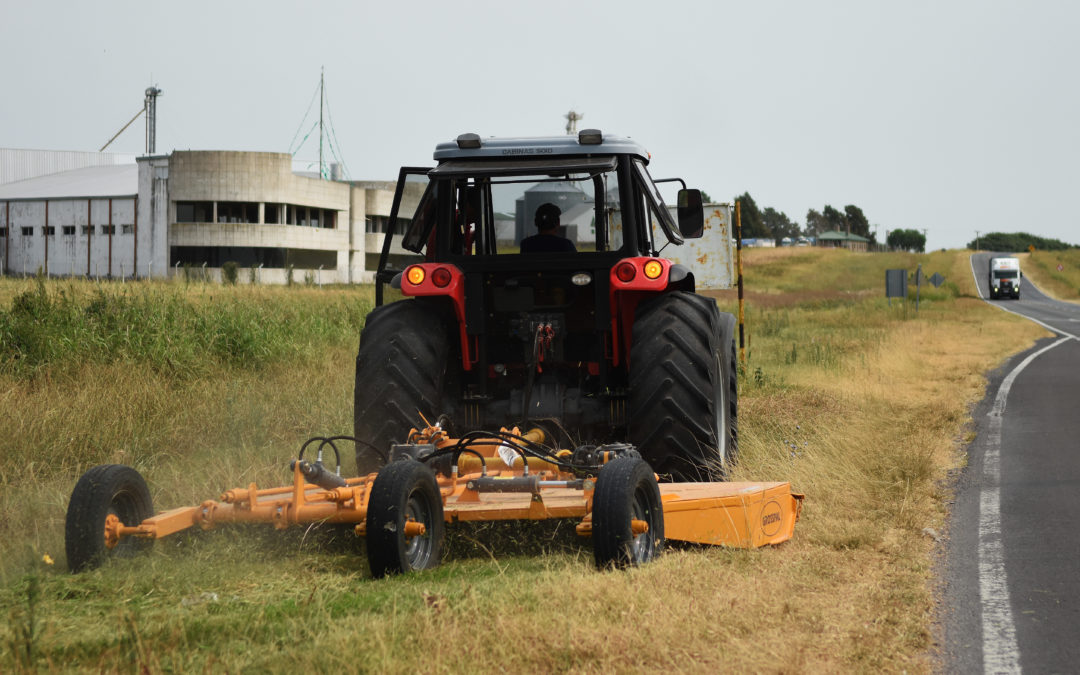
(907, 240)
(815, 223)
(856, 220)
(834, 219)
(752, 225)
(705, 198)
(779, 224)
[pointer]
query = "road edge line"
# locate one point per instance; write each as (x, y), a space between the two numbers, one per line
(1001, 653)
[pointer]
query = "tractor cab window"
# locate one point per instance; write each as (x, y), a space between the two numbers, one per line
(492, 207)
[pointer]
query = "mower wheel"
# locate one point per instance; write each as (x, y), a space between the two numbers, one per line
(400, 371)
(683, 395)
(627, 496)
(103, 492)
(404, 496)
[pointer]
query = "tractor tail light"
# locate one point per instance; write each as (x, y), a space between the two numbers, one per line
(441, 277)
(626, 271)
(415, 275)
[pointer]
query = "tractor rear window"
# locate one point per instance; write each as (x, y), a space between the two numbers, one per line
(557, 205)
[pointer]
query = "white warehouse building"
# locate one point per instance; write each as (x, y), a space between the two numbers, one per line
(197, 209)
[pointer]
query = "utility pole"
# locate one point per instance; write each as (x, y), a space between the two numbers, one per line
(976, 240)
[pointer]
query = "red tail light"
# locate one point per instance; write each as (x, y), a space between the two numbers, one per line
(626, 272)
(441, 277)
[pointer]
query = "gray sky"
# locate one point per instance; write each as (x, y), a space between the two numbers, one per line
(946, 116)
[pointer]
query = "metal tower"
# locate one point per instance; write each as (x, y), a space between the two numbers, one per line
(571, 122)
(150, 106)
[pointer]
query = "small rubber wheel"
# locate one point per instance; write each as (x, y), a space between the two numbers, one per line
(104, 493)
(626, 491)
(404, 495)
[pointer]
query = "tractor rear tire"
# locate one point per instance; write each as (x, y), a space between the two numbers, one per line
(404, 490)
(400, 372)
(626, 490)
(728, 327)
(109, 489)
(683, 387)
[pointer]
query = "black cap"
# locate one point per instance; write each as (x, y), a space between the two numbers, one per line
(547, 216)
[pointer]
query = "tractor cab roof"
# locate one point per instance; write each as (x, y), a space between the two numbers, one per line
(587, 142)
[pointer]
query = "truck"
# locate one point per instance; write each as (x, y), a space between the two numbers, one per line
(605, 341)
(1004, 278)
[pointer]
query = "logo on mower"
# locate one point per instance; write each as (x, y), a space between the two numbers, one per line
(771, 518)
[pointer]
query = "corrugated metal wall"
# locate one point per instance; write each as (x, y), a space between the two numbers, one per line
(16, 164)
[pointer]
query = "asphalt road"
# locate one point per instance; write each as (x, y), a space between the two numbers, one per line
(1012, 564)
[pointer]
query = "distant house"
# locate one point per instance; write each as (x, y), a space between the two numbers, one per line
(836, 239)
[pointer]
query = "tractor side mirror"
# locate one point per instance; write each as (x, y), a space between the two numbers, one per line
(691, 214)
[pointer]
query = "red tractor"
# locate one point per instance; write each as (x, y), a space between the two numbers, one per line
(530, 291)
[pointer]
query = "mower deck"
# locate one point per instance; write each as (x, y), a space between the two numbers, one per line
(622, 507)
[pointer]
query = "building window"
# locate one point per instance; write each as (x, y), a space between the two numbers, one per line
(270, 214)
(237, 212)
(328, 219)
(27, 231)
(107, 229)
(3, 231)
(88, 230)
(194, 212)
(48, 231)
(69, 230)
(127, 229)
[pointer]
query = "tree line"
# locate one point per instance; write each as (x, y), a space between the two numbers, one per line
(768, 223)
(1017, 241)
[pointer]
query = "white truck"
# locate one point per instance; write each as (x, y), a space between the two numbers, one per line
(1005, 278)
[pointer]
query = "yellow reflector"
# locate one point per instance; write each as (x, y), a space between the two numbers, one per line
(415, 275)
(653, 269)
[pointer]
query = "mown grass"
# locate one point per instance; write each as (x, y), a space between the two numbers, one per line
(1042, 268)
(859, 404)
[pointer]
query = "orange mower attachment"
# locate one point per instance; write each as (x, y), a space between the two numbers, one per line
(432, 480)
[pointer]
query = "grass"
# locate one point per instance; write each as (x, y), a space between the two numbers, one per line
(861, 405)
(1042, 268)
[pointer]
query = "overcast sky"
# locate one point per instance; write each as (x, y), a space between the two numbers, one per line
(953, 117)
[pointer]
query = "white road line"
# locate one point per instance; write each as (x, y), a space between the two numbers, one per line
(1000, 651)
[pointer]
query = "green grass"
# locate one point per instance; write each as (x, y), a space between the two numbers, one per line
(203, 387)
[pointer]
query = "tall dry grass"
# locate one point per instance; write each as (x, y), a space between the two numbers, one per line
(1042, 268)
(860, 405)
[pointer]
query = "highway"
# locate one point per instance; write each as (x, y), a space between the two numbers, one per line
(1012, 563)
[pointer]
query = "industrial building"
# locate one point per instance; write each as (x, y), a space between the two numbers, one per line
(189, 209)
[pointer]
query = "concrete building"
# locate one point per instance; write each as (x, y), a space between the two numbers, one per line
(194, 209)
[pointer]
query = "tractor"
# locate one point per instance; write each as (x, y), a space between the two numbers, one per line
(600, 341)
(592, 355)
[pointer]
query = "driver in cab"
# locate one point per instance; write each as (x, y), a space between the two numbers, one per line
(547, 238)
